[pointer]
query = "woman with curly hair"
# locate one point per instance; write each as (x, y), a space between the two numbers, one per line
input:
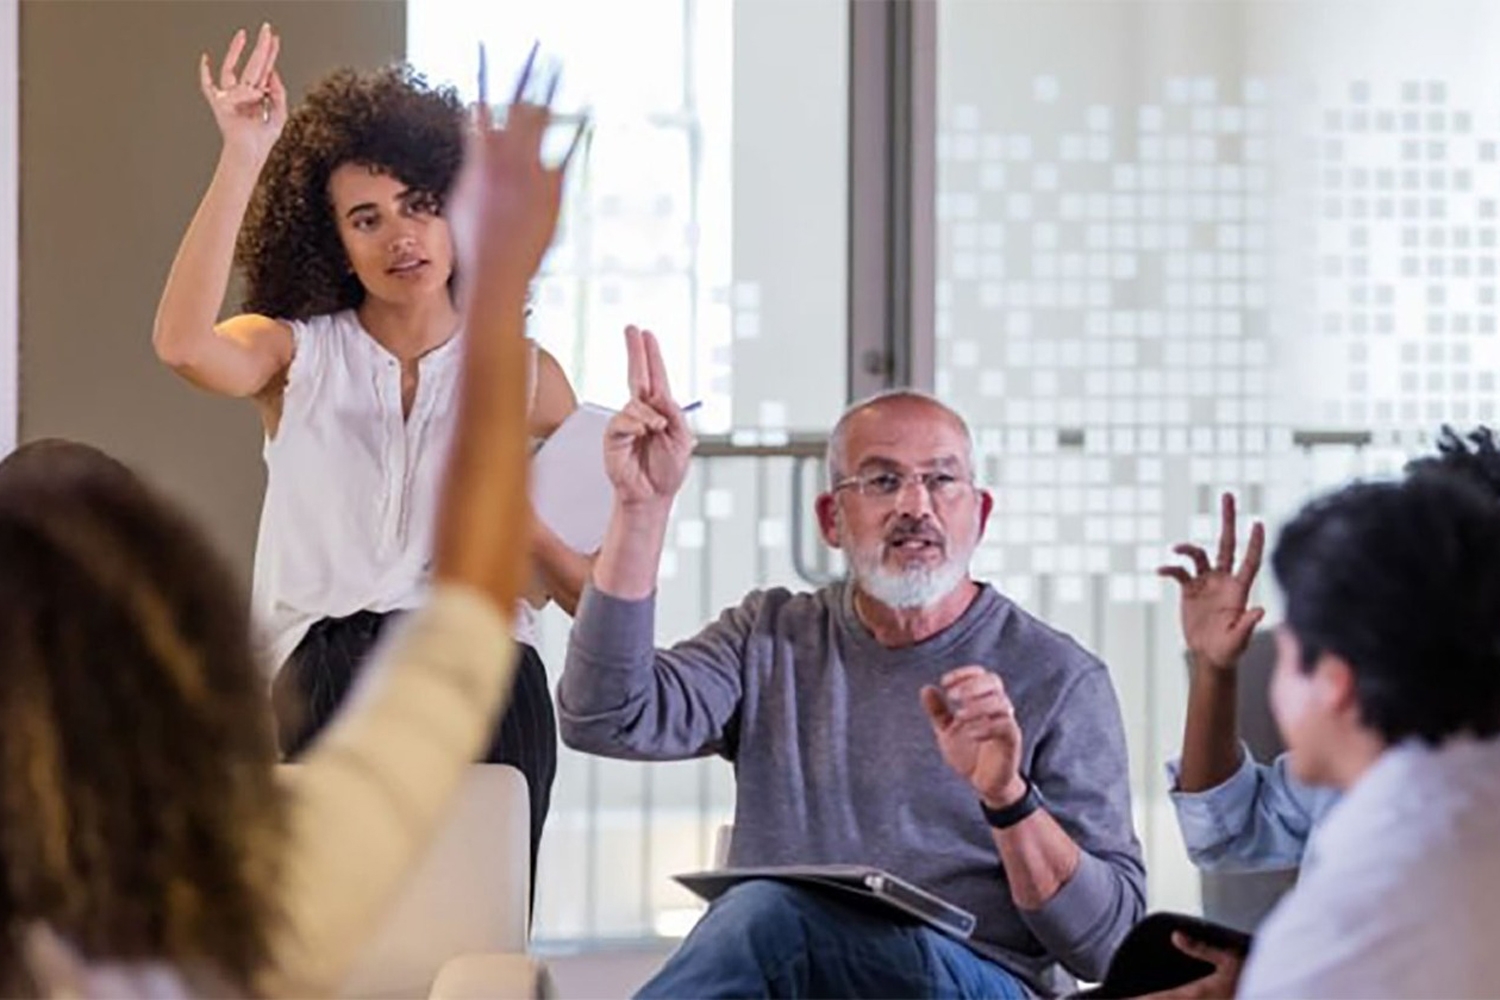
(348, 346)
(150, 846)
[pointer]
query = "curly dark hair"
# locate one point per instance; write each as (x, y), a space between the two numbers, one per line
(390, 120)
(142, 820)
(1473, 454)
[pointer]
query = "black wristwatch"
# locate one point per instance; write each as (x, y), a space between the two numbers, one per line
(1016, 811)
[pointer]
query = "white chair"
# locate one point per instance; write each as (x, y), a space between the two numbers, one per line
(466, 902)
(492, 976)
(610, 974)
(723, 837)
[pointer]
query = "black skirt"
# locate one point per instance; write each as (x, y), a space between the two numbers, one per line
(315, 679)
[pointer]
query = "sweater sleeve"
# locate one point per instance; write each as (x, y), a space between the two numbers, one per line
(1082, 773)
(620, 696)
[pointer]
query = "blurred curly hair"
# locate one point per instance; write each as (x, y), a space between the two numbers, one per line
(141, 816)
(390, 120)
(1474, 455)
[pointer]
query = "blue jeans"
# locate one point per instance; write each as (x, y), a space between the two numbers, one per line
(769, 939)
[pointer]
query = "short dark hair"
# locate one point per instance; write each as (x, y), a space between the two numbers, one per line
(1402, 580)
(1473, 454)
(141, 816)
(390, 120)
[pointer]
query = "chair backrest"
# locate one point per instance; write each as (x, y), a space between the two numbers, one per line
(1242, 899)
(470, 892)
(723, 837)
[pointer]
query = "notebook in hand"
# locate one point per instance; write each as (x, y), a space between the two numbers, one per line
(1148, 962)
(872, 885)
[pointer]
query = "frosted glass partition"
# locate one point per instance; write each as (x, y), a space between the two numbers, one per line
(1188, 247)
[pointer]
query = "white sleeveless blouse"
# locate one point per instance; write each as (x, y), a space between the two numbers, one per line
(352, 487)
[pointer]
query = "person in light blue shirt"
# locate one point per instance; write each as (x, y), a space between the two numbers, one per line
(1237, 814)
(1258, 819)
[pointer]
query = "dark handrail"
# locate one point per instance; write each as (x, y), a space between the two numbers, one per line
(804, 450)
(793, 446)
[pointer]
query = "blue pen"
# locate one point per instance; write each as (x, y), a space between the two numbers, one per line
(692, 406)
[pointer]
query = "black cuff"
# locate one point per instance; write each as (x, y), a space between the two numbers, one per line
(1018, 810)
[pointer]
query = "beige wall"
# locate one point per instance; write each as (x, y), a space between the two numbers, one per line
(116, 148)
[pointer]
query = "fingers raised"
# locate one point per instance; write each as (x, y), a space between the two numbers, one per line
(206, 77)
(637, 368)
(277, 90)
(661, 390)
(1226, 533)
(231, 59)
(583, 127)
(259, 62)
(265, 76)
(524, 80)
(484, 77)
(1253, 553)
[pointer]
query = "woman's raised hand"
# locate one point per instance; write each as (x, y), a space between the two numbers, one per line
(249, 101)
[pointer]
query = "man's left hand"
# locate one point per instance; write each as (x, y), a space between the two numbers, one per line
(977, 732)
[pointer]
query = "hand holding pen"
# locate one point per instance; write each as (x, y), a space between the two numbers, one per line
(648, 445)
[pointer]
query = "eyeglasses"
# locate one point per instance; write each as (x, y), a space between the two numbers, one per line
(887, 485)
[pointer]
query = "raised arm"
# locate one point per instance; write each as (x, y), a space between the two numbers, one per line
(1217, 623)
(244, 354)
(381, 775)
(1235, 814)
(619, 695)
(647, 448)
(484, 520)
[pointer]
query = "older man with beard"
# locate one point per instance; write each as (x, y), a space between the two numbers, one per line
(911, 719)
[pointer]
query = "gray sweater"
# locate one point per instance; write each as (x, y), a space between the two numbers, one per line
(835, 759)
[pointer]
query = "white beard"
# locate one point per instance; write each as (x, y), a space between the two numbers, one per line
(908, 590)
